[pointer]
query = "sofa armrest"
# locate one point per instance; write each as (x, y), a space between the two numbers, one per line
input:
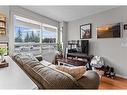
(90, 80)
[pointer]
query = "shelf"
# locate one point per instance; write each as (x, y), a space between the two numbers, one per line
(3, 21)
(2, 27)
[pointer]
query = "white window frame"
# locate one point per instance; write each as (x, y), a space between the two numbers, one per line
(41, 31)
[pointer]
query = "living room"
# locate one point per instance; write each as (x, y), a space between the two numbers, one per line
(43, 33)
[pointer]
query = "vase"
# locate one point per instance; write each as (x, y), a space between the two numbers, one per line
(60, 55)
(2, 57)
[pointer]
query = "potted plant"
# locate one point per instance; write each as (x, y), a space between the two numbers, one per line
(2, 52)
(60, 49)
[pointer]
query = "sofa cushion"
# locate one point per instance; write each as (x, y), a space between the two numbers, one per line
(51, 78)
(45, 63)
(23, 58)
(76, 72)
(90, 80)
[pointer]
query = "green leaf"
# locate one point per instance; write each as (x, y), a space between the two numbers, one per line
(3, 51)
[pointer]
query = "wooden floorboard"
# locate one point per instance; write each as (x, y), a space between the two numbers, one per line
(117, 83)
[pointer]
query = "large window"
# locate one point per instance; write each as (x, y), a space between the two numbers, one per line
(34, 37)
(26, 34)
(49, 34)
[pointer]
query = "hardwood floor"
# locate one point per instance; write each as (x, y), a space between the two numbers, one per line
(117, 83)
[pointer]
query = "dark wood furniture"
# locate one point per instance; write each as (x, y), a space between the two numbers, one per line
(74, 62)
(80, 55)
(75, 59)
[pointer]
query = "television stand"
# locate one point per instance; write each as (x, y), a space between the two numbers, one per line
(80, 55)
(71, 62)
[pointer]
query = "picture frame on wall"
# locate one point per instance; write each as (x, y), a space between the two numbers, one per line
(109, 31)
(85, 31)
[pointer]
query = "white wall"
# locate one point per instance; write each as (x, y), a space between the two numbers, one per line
(5, 10)
(110, 48)
(17, 10)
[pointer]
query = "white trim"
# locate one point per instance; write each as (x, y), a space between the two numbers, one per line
(125, 77)
(50, 26)
(32, 43)
(27, 20)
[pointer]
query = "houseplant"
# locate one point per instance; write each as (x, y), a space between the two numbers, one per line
(2, 52)
(60, 49)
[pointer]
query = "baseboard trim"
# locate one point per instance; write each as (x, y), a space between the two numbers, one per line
(121, 76)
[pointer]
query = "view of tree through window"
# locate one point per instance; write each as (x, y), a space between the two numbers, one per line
(49, 37)
(34, 37)
(25, 34)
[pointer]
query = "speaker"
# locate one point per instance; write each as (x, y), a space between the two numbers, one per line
(85, 46)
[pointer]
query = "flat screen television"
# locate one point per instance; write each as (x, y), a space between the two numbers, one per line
(109, 31)
(78, 46)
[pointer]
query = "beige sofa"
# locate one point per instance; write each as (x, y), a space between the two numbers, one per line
(47, 77)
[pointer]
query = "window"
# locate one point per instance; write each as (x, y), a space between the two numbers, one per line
(26, 30)
(34, 37)
(49, 34)
(25, 34)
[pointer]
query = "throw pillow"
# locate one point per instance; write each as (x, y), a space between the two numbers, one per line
(76, 72)
(29, 55)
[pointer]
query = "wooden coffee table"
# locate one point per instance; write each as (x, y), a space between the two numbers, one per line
(71, 62)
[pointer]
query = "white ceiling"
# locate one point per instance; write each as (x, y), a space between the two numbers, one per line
(67, 13)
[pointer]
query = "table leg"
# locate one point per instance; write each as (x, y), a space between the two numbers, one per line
(58, 63)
